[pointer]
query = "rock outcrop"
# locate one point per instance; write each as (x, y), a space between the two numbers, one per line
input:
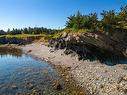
(93, 46)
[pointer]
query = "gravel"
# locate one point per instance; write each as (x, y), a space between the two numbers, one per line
(97, 78)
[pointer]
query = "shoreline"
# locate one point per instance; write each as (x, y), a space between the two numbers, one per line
(64, 73)
(99, 79)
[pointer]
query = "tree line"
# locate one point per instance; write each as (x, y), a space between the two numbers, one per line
(110, 20)
(35, 30)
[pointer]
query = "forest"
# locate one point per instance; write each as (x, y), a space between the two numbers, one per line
(109, 21)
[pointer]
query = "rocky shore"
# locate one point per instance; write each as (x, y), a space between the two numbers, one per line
(93, 76)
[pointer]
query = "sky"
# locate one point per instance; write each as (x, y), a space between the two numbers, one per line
(49, 13)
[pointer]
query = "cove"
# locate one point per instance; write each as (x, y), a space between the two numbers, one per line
(21, 74)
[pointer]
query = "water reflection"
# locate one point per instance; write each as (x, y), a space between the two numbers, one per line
(10, 51)
(21, 74)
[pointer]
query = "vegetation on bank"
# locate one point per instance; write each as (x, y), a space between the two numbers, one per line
(110, 21)
(23, 35)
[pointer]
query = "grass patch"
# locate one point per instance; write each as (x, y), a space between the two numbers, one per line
(23, 35)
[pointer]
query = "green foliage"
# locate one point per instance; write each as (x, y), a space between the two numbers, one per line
(44, 33)
(110, 21)
(35, 30)
(23, 35)
(80, 21)
(69, 30)
(2, 32)
(122, 17)
(123, 13)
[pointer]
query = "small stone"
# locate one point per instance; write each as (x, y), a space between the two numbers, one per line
(30, 86)
(45, 71)
(105, 71)
(101, 86)
(120, 80)
(29, 51)
(81, 93)
(67, 77)
(69, 67)
(57, 85)
(14, 87)
(62, 74)
(125, 67)
(67, 80)
(125, 78)
(125, 91)
(115, 71)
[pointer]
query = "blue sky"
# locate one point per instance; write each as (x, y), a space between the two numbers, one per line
(48, 13)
